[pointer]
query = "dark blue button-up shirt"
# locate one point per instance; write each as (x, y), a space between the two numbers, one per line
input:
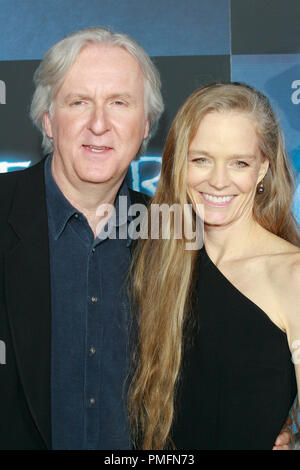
(89, 346)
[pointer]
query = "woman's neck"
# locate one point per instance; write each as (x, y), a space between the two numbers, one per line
(241, 238)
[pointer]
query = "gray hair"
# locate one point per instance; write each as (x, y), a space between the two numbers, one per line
(53, 68)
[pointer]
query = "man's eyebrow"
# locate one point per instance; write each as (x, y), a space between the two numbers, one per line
(125, 96)
(71, 96)
(116, 95)
(113, 96)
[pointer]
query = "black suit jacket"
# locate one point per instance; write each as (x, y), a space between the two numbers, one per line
(25, 310)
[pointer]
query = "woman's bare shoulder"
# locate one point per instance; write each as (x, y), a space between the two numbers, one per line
(281, 252)
(283, 258)
(283, 268)
(285, 255)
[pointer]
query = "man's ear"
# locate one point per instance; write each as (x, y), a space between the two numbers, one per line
(146, 133)
(47, 125)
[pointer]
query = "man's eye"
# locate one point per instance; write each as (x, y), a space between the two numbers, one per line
(241, 164)
(77, 102)
(119, 103)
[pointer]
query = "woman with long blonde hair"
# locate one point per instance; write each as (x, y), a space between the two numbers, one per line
(217, 326)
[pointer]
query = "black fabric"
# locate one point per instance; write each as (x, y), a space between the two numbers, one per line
(237, 379)
(25, 310)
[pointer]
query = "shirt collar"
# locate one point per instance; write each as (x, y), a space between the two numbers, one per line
(122, 205)
(59, 208)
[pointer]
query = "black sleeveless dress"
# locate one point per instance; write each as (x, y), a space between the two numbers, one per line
(237, 380)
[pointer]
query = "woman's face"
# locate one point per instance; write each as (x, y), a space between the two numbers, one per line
(224, 167)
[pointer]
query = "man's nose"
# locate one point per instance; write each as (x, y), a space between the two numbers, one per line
(99, 120)
(219, 177)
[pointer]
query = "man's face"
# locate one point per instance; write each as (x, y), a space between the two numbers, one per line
(98, 121)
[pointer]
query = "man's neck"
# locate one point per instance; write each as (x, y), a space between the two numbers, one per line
(89, 198)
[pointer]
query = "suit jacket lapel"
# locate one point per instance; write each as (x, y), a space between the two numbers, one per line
(28, 294)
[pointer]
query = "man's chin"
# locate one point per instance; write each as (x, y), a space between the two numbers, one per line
(95, 177)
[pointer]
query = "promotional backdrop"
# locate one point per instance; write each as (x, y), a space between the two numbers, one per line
(192, 42)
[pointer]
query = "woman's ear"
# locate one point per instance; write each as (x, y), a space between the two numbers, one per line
(263, 169)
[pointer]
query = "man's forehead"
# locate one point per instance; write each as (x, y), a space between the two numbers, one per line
(106, 51)
(103, 68)
(97, 61)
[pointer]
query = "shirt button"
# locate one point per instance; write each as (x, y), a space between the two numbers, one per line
(92, 350)
(92, 401)
(76, 215)
(94, 299)
(93, 250)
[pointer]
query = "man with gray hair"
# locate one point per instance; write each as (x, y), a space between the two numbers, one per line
(64, 313)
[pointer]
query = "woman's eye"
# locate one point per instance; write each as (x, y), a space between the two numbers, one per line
(201, 161)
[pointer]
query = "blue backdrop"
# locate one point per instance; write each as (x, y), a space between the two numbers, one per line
(192, 42)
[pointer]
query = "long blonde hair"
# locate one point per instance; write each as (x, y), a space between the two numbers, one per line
(163, 270)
